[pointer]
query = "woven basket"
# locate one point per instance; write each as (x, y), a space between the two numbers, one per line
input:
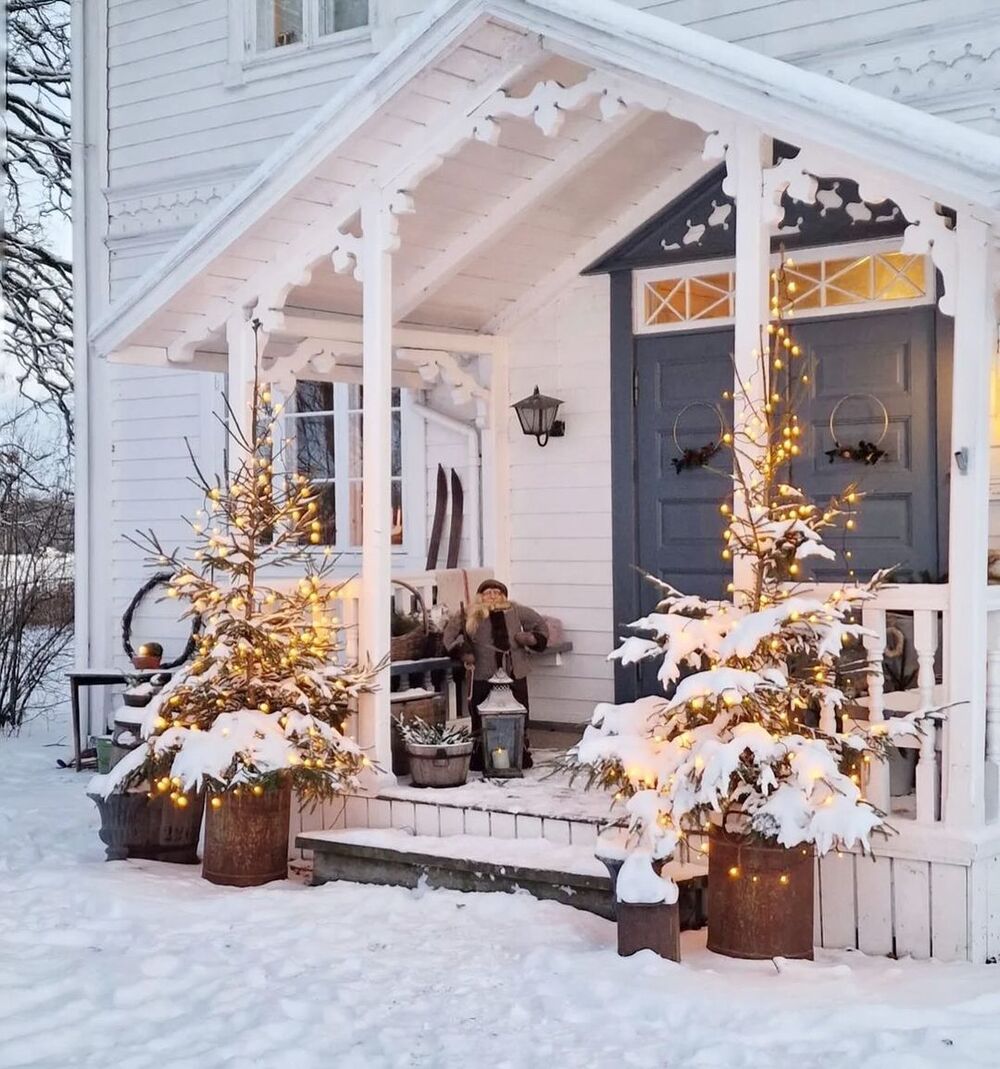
(411, 646)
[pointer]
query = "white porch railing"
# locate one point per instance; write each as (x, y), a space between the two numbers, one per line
(919, 613)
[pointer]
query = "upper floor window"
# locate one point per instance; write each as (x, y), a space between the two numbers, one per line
(281, 23)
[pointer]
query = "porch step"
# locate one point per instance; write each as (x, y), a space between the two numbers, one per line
(567, 874)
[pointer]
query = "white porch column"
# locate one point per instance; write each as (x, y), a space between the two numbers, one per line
(496, 468)
(966, 649)
(239, 384)
(376, 554)
(746, 160)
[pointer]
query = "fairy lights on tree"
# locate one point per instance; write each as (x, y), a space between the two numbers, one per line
(748, 739)
(264, 700)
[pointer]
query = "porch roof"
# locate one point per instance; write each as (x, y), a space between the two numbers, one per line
(498, 225)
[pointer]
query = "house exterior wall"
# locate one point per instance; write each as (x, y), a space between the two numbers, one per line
(561, 499)
(172, 119)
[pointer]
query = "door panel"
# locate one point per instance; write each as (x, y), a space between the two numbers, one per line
(890, 355)
(679, 520)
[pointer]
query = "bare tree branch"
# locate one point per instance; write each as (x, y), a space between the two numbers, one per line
(37, 281)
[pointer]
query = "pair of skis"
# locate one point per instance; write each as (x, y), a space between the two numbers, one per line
(437, 527)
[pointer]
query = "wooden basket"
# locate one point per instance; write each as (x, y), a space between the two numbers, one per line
(411, 646)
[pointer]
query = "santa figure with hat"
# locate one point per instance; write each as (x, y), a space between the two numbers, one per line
(495, 633)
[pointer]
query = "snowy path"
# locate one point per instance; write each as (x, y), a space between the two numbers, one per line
(133, 964)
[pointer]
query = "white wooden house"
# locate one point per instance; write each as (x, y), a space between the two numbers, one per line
(453, 205)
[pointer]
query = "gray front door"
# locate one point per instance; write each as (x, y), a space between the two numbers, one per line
(889, 356)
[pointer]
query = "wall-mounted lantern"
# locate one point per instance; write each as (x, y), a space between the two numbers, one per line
(537, 415)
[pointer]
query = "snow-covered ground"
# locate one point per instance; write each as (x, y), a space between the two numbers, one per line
(134, 964)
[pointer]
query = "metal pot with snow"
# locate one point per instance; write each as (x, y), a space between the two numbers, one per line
(646, 905)
(439, 754)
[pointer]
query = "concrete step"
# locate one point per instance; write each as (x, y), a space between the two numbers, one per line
(567, 874)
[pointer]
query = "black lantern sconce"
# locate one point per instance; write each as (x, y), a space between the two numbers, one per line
(537, 415)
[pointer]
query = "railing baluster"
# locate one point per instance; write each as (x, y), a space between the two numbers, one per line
(993, 704)
(925, 643)
(878, 771)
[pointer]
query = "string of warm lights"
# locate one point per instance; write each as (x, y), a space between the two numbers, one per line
(761, 700)
(265, 698)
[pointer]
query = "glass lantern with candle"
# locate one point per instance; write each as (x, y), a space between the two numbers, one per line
(503, 725)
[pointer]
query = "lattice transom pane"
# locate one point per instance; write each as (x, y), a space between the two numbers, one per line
(681, 300)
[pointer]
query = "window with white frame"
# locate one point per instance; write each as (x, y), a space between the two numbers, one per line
(284, 23)
(838, 279)
(324, 433)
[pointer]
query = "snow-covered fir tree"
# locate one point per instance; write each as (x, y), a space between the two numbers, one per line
(748, 737)
(264, 700)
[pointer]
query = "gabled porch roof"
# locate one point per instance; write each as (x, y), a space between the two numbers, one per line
(499, 222)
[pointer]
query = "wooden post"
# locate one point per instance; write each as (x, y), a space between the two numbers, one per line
(376, 554)
(975, 326)
(496, 468)
(239, 384)
(746, 160)
(877, 787)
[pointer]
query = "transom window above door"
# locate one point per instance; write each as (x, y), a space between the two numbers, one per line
(324, 441)
(826, 282)
(286, 23)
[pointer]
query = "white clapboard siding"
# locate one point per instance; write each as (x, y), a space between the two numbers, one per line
(794, 27)
(560, 498)
(151, 413)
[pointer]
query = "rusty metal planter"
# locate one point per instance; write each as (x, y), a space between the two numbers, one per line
(246, 837)
(760, 898)
(133, 825)
(653, 927)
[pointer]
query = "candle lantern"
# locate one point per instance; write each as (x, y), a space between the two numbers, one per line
(502, 736)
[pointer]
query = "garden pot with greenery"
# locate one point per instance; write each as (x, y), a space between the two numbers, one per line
(439, 754)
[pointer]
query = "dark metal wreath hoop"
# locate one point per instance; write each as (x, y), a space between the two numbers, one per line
(697, 457)
(864, 452)
(160, 579)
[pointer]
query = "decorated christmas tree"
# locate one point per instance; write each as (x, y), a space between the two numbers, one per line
(750, 740)
(263, 702)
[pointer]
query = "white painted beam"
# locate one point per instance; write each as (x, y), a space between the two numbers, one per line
(328, 326)
(376, 551)
(748, 154)
(239, 386)
(968, 510)
(452, 260)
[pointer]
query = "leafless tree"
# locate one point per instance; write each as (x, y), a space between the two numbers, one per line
(36, 574)
(37, 279)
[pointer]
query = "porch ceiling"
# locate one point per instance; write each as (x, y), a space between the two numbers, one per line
(496, 226)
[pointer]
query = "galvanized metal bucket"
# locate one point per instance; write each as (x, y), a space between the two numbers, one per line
(760, 898)
(246, 837)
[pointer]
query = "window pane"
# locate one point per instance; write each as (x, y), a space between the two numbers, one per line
(338, 15)
(279, 23)
(357, 512)
(397, 512)
(397, 445)
(314, 447)
(356, 444)
(314, 397)
(355, 396)
(326, 513)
